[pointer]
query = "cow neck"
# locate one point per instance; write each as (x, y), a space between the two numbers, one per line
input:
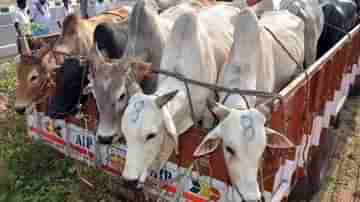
(147, 35)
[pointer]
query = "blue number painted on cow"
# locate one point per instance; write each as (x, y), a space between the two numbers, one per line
(138, 107)
(248, 126)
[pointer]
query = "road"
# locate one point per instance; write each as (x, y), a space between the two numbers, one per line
(7, 2)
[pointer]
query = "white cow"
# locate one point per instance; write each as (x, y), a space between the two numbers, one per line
(256, 62)
(147, 35)
(151, 124)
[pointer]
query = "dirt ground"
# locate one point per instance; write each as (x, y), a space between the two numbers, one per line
(342, 183)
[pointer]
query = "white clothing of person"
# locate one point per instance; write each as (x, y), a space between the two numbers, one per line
(96, 8)
(68, 10)
(22, 17)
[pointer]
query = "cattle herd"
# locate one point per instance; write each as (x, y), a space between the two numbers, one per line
(223, 43)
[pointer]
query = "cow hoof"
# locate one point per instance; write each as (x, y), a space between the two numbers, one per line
(105, 139)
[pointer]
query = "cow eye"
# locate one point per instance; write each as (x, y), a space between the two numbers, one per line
(230, 150)
(150, 136)
(121, 98)
(33, 78)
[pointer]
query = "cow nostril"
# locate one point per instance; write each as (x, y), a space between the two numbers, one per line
(133, 184)
(105, 139)
(20, 110)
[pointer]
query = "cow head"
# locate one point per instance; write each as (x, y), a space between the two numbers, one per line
(150, 135)
(33, 76)
(113, 83)
(244, 138)
(76, 38)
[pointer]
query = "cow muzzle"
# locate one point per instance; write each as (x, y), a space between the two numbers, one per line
(20, 109)
(133, 185)
(105, 139)
(106, 131)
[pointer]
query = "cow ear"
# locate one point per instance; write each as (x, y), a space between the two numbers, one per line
(143, 70)
(163, 99)
(277, 140)
(209, 143)
(218, 109)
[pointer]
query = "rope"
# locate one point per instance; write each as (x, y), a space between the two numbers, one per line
(188, 95)
(216, 87)
(114, 14)
(284, 48)
(339, 29)
(225, 98)
(242, 96)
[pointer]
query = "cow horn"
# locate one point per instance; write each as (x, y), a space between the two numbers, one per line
(218, 109)
(163, 99)
(277, 140)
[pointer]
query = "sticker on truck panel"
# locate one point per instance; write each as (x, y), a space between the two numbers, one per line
(53, 133)
(82, 144)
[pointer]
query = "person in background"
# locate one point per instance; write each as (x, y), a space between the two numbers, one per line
(41, 17)
(84, 4)
(22, 23)
(22, 19)
(100, 7)
(66, 10)
(91, 8)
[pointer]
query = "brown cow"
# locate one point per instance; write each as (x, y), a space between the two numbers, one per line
(77, 34)
(34, 72)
